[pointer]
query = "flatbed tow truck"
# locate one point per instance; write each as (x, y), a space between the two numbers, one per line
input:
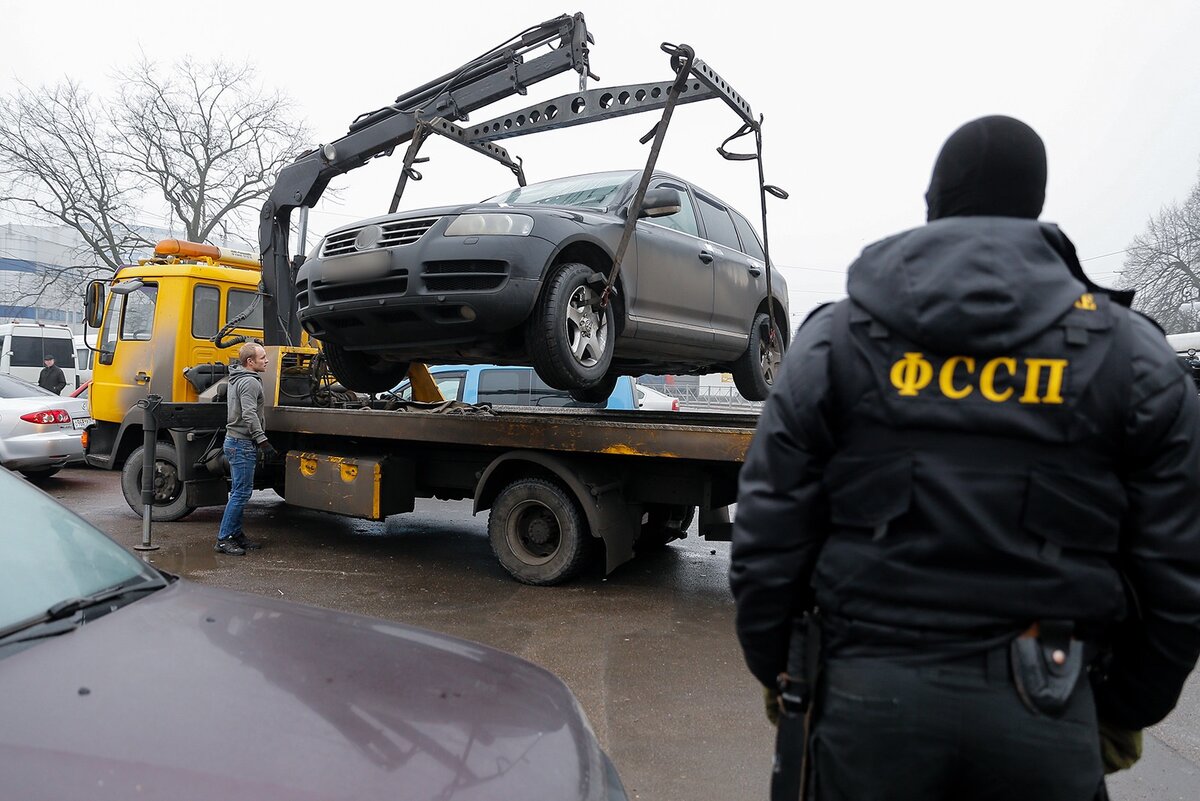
(557, 482)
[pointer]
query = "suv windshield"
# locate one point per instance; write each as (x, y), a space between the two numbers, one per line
(48, 555)
(593, 191)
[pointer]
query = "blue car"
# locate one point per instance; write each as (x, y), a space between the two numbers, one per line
(512, 386)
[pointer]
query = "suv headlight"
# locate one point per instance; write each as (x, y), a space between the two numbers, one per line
(490, 225)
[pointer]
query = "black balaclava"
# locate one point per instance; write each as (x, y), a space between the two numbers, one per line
(992, 166)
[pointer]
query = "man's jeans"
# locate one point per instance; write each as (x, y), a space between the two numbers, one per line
(242, 455)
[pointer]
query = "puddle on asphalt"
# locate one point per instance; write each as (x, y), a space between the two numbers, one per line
(186, 560)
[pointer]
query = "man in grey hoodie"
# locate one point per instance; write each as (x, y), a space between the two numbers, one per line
(244, 436)
(981, 470)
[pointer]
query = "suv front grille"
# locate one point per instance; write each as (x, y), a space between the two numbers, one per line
(395, 233)
(464, 276)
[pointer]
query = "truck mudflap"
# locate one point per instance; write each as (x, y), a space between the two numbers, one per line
(370, 487)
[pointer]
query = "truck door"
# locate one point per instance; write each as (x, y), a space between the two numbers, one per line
(123, 370)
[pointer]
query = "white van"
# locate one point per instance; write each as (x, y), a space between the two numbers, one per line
(83, 359)
(1182, 343)
(23, 346)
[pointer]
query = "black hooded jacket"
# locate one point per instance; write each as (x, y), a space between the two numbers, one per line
(972, 442)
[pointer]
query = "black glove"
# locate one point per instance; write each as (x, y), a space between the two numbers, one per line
(771, 703)
(268, 451)
(1119, 748)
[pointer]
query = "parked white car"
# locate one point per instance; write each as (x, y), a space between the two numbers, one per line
(39, 431)
(653, 399)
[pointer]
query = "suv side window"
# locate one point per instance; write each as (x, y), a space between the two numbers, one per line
(683, 220)
(717, 223)
(750, 244)
(504, 387)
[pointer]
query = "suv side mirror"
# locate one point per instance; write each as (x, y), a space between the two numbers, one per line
(661, 202)
(93, 304)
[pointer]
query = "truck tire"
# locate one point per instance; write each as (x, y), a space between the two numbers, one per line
(755, 370)
(570, 342)
(537, 532)
(170, 502)
(363, 372)
(665, 523)
(40, 475)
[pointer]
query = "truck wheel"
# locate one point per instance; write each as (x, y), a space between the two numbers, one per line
(363, 372)
(169, 500)
(570, 342)
(40, 475)
(755, 370)
(538, 532)
(664, 523)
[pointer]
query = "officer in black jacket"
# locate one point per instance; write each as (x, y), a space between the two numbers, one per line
(988, 476)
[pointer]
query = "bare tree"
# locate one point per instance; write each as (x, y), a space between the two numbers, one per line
(208, 138)
(56, 164)
(1163, 265)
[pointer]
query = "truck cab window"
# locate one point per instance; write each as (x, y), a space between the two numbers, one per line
(238, 301)
(137, 318)
(206, 311)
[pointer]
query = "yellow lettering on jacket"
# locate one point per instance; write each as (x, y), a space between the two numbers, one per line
(1087, 302)
(911, 374)
(1033, 380)
(997, 379)
(946, 377)
(987, 378)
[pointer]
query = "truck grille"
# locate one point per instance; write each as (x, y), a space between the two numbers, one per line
(395, 233)
(464, 276)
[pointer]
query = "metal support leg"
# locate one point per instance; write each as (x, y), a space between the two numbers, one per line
(149, 460)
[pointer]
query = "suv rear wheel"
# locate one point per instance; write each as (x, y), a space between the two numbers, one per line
(755, 371)
(570, 339)
(363, 372)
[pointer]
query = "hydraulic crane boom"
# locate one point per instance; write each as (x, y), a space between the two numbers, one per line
(497, 74)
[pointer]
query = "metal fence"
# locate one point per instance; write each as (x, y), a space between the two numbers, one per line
(709, 397)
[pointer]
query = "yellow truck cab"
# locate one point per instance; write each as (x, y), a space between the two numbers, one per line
(160, 319)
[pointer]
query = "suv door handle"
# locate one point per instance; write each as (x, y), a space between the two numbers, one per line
(706, 256)
(754, 269)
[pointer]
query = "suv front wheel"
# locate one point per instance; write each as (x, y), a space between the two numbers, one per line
(363, 372)
(569, 336)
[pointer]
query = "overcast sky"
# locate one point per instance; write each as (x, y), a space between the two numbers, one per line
(857, 98)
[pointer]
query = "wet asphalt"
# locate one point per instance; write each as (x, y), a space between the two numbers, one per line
(649, 650)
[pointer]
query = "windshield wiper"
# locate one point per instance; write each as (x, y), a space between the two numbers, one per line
(29, 629)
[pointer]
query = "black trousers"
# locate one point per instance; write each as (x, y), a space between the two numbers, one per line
(956, 731)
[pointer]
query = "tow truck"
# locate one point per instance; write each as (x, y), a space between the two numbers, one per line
(556, 482)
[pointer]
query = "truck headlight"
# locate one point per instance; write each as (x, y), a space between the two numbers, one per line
(490, 225)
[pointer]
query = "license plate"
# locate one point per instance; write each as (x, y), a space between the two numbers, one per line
(81, 423)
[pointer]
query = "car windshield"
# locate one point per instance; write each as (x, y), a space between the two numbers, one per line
(48, 554)
(11, 387)
(595, 191)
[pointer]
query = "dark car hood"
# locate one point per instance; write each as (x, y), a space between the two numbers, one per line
(200, 693)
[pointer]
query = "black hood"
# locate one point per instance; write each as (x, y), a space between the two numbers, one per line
(992, 166)
(970, 285)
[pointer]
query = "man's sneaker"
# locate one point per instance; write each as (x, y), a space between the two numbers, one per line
(248, 544)
(229, 546)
